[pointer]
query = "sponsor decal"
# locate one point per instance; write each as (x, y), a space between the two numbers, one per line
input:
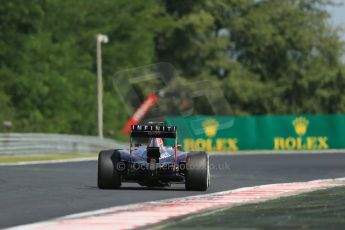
(301, 141)
(211, 143)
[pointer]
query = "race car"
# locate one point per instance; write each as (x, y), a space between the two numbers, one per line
(149, 162)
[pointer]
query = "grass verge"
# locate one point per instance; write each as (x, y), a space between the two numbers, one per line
(324, 209)
(47, 157)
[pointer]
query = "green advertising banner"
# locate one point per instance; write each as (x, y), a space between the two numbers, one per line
(235, 133)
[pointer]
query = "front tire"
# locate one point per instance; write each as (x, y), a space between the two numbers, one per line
(198, 172)
(108, 176)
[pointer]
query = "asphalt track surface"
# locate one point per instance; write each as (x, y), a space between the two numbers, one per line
(34, 193)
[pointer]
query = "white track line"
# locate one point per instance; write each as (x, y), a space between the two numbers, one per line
(148, 213)
(49, 161)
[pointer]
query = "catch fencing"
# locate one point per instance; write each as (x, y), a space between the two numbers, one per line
(40, 143)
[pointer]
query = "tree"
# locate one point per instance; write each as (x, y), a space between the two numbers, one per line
(271, 56)
(52, 87)
(268, 56)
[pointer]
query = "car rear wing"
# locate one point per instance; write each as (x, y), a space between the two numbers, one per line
(151, 131)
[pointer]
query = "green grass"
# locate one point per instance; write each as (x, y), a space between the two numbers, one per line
(29, 158)
(323, 209)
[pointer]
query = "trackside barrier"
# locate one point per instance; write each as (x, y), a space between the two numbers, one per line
(269, 132)
(40, 143)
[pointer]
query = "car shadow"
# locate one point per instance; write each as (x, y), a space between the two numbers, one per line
(152, 188)
(138, 188)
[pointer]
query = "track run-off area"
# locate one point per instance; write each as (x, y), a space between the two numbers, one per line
(40, 192)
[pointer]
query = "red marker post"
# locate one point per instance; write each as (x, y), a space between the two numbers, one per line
(139, 114)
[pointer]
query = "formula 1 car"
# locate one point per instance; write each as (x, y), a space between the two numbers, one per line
(149, 162)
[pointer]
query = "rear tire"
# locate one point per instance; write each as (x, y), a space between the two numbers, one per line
(198, 172)
(108, 176)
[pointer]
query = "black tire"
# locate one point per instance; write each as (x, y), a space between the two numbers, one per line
(198, 172)
(108, 176)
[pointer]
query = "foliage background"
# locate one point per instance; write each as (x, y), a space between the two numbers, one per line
(270, 56)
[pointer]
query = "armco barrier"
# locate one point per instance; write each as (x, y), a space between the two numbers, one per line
(39, 143)
(279, 133)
